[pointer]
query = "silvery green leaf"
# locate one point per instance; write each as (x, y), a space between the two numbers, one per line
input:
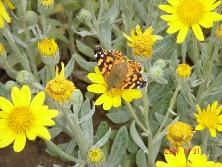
(68, 147)
(88, 66)
(161, 80)
(132, 147)
(83, 33)
(102, 129)
(55, 131)
(155, 150)
(84, 49)
(136, 138)
(141, 159)
(118, 148)
(69, 67)
(87, 117)
(77, 100)
(113, 12)
(103, 140)
(119, 116)
(140, 10)
(20, 42)
(105, 35)
(87, 126)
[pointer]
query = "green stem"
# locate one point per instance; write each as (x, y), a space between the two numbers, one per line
(27, 38)
(196, 57)
(205, 141)
(61, 153)
(43, 22)
(77, 132)
(70, 32)
(133, 113)
(9, 70)
(172, 102)
(23, 59)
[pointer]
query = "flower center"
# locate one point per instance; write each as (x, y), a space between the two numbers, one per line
(190, 11)
(20, 119)
(210, 120)
(143, 44)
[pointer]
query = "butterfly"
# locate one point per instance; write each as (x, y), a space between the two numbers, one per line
(118, 71)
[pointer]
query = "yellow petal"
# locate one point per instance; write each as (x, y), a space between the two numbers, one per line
(213, 6)
(6, 141)
(5, 104)
(38, 100)
(181, 158)
(206, 22)
(101, 99)
(19, 142)
(1, 22)
(31, 134)
(96, 88)
(198, 32)
(25, 95)
(170, 18)
(161, 164)
(138, 30)
(116, 101)
(43, 133)
(214, 106)
(168, 8)
(219, 127)
(195, 151)
(4, 13)
(15, 94)
(129, 94)
(198, 109)
(173, 2)
(127, 37)
(214, 16)
(176, 26)
(107, 103)
(9, 4)
(182, 34)
(199, 127)
(213, 132)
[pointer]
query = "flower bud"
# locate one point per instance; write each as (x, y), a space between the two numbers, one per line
(45, 5)
(31, 18)
(25, 78)
(84, 15)
(161, 63)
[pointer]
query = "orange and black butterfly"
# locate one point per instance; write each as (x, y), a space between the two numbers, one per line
(118, 71)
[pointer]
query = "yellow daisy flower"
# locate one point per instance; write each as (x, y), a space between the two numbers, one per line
(142, 43)
(195, 159)
(59, 88)
(95, 156)
(179, 133)
(183, 70)
(47, 47)
(4, 14)
(23, 118)
(110, 97)
(209, 118)
(185, 14)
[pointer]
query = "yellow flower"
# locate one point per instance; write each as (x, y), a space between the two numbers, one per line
(2, 49)
(195, 159)
(47, 47)
(179, 133)
(219, 32)
(209, 118)
(4, 14)
(185, 14)
(23, 118)
(142, 43)
(47, 3)
(183, 70)
(96, 156)
(59, 88)
(110, 97)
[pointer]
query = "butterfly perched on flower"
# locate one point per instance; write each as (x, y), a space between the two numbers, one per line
(118, 71)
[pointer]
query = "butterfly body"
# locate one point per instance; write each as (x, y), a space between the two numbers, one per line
(118, 71)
